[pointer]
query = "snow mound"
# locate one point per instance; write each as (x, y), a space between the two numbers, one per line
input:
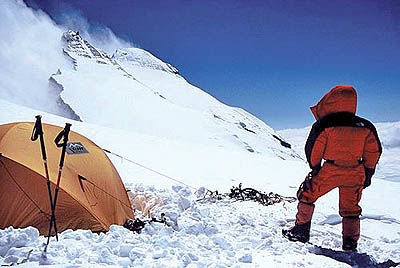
(389, 134)
(200, 234)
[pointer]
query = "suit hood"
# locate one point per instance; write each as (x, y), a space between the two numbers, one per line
(338, 99)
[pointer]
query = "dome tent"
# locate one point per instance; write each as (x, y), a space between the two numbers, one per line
(91, 195)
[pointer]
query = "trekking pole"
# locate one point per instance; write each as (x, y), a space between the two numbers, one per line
(62, 135)
(37, 132)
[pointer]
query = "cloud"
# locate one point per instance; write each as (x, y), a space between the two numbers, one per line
(98, 35)
(31, 51)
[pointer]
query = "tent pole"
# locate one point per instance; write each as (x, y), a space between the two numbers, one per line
(62, 135)
(38, 133)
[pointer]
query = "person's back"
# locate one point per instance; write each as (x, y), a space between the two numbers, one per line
(351, 149)
(345, 143)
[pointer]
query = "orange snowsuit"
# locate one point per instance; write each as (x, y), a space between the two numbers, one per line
(351, 149)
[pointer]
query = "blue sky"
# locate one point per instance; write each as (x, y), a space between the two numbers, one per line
(273, 58)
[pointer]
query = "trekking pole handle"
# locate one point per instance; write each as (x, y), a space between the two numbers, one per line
(37, 132)
(37, 128)
(63, 135)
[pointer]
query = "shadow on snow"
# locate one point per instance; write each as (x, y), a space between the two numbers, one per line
(354, 259)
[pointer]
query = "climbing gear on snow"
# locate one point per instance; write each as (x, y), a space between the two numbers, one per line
(137, 225)
(247, 194)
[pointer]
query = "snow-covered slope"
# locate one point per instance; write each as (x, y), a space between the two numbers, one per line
(196, 164)
(64, 74)
(133, 90)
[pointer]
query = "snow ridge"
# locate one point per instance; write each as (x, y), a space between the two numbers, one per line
(142, 58)
(81, 47)
(58, 88)
(76, 45)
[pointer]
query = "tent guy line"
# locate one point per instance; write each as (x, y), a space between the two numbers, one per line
(81, 178)
(152, 170)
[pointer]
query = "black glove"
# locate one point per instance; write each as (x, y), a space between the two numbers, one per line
(307, 183)
(369, 172)
(315, 170)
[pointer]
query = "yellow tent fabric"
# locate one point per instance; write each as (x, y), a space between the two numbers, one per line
(91, 196)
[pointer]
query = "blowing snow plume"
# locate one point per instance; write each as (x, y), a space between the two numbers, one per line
(98, 35)
(31, 51)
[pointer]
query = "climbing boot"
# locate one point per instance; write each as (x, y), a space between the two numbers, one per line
(350, 232)
(299, 232)
(349, 244)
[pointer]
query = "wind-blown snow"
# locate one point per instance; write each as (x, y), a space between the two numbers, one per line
(30, 53)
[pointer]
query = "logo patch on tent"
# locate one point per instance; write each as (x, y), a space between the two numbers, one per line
(76, 148)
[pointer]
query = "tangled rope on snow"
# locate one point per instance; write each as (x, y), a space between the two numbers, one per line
(246, 194)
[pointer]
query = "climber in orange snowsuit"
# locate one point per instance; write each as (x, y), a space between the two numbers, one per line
(350, 148)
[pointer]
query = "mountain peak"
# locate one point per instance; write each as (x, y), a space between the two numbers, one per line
(74, 42)
(143, 58)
